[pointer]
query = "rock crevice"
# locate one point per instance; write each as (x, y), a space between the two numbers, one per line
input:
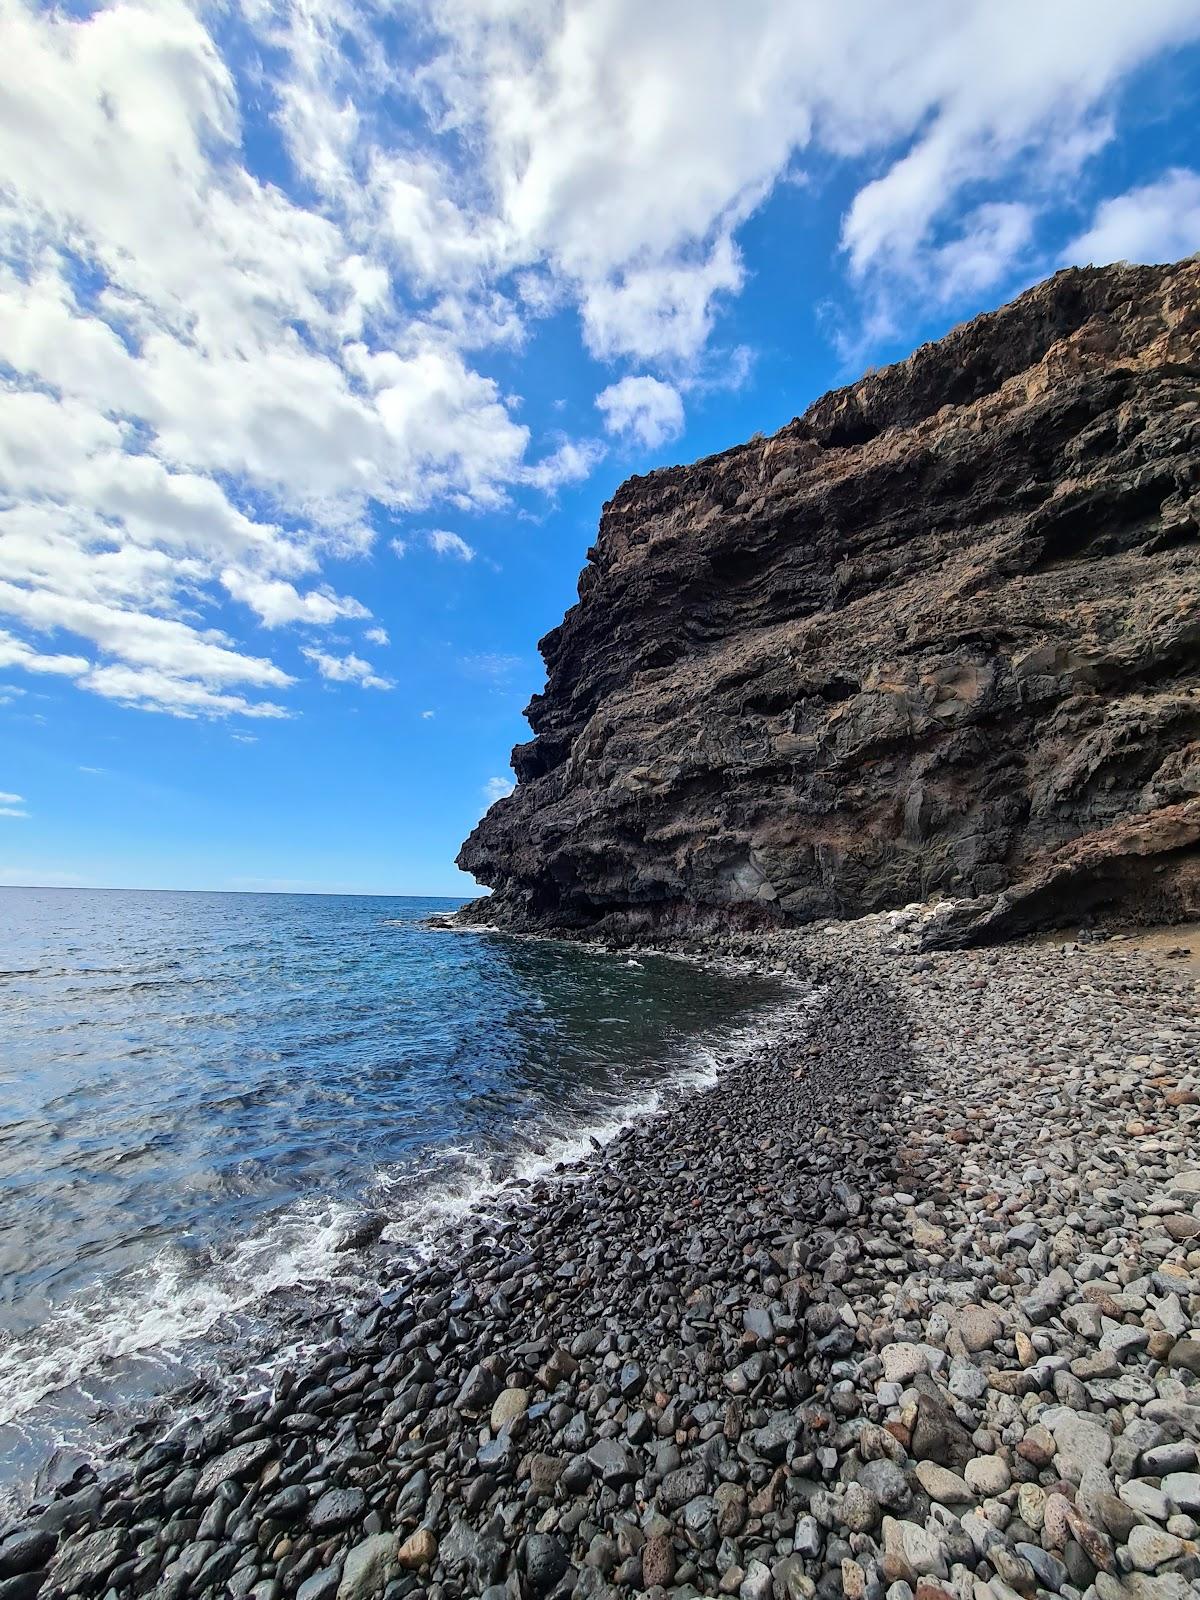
(938, 637)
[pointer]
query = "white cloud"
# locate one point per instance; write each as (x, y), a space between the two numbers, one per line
(993, 237)
(622, 146)
(571, 461)
(449, 544)
(1158, 221)
(277, 602)
(151, 689)
(1028, 124)
(11, 799)
(161, 643)
(215, 383)
(347, 669)
(12, 811)
(427, 715)
(643, 408)
(16, 653)
(661, 312)
(496, 789)
(216, 386)
(377, 636)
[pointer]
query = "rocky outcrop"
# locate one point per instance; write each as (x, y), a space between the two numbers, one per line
(938, 637)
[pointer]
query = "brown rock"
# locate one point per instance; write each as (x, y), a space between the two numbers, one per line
(939, 1435)
(1098, 1295)
(979, 1327)
(1185, 1356)
(930, 1589)
(895, 1568)
(934, 637)
(544, 1472)
(731, 1508)
(1095, 1545)
(658, 1561)
(875, 1441)
(1119, 1520)
(1037, 1446)
(418, 1550)
(854, 1579)
(762, 1504)
(1057, 1527)
(1008, 1382)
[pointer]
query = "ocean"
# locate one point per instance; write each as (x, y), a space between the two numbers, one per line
(224, 1118)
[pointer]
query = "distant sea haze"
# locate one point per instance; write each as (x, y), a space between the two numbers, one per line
(205, 1097)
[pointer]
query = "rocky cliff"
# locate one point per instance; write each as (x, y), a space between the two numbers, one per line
(939, 637)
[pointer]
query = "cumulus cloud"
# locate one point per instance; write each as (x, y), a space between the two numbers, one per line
(496, 789)
(216, 384)
(163, 643)
(151, 689)
(213, 384)
(623, 146)
(570, 462)
(347, 669)
(1158, 221)
(642, 408)
(449, 544)
(15, 652)
(276, 602)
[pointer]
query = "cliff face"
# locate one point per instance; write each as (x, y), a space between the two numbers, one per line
(938, 637)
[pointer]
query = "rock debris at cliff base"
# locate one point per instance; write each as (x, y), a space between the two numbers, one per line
(938, 637)
(907, 1305)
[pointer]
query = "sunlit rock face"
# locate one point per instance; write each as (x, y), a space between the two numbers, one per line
(938, 637)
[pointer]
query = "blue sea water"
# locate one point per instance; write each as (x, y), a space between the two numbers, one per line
(203, 1095)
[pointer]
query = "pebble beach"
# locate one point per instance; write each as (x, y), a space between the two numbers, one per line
(906, 1305)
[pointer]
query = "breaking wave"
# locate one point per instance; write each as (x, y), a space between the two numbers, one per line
(201, 1195)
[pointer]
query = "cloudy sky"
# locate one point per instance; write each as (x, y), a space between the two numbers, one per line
(326, 326)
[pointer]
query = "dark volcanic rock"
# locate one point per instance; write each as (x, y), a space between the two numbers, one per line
(83, 1566)
(937, 637)
(25, 1551)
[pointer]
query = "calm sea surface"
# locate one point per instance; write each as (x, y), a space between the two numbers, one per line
(201, 1095)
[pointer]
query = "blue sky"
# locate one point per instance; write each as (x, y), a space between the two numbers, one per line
(327, 326)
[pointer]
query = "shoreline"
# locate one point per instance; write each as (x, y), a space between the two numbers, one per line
(239, 1323)
(743, 1356)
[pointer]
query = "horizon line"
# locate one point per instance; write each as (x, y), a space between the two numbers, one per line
(119, 888)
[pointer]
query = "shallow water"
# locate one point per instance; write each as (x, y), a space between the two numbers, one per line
(200, 1093)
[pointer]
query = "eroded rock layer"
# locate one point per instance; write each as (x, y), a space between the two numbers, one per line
(940, 636)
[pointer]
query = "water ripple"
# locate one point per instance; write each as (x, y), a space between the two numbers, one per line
(200, 1094)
